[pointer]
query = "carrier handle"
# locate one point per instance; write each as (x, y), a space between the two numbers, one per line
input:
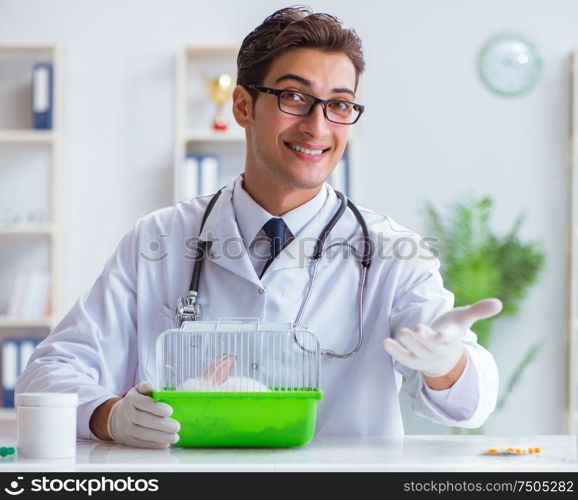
(239, 319)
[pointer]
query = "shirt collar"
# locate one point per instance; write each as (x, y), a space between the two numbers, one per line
(251, 216)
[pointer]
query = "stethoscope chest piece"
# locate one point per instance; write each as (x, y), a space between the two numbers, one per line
(187, 308)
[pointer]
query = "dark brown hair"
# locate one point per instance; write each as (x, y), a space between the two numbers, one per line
(290, 28)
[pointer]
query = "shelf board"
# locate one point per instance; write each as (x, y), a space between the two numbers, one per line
(10, 49)
(211, 51)
(27, 136)
(7, 413)
(193, 136)
(26, 229)
(19, 322)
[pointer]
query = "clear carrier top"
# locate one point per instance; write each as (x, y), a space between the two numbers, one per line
(237, 355)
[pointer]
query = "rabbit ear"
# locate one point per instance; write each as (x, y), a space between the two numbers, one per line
(219, 370)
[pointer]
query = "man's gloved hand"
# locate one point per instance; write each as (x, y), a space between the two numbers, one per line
(434, 350)
(137, 420)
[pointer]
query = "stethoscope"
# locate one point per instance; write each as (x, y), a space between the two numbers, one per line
(188, 307)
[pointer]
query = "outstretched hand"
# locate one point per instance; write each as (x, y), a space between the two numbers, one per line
(436, 349)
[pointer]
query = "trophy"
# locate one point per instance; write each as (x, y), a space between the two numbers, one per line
(220, 90)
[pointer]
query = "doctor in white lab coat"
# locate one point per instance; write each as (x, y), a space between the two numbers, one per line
(104, 347)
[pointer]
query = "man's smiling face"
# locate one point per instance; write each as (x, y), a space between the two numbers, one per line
(276, 141)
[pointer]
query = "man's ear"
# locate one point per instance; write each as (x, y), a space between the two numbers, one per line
(242, 106)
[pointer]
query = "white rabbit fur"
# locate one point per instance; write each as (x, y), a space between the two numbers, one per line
(216, 378)
(233, 384)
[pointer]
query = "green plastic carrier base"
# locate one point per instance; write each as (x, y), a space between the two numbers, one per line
(241, 419)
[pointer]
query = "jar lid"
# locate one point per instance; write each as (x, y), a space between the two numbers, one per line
(47, 399)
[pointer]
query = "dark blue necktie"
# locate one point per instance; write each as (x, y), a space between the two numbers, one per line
(278, 234)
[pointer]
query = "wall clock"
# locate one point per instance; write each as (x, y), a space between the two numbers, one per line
(509, 65)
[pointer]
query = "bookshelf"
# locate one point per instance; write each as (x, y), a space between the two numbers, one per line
(194, 112)
(30, 187)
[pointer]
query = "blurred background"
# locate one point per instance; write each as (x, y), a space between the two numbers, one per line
(445, 123)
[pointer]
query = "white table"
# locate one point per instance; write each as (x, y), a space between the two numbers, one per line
(328, 454)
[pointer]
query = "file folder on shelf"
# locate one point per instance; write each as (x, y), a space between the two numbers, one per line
(42, 82)
(190, 178)
(209, 182)
(30, 294)
(9, 371)
(15, 356)
(200, 176)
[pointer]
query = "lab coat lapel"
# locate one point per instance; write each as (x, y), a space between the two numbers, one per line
(227, 248)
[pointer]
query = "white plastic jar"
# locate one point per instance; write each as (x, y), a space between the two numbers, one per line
(46, 424)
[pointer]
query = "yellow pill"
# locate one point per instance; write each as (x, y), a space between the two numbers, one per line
(492, 450)
(537, 450)
(509, 449)
(530, 450)
(518, 450)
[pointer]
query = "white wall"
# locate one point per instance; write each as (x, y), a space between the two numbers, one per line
(431, 132)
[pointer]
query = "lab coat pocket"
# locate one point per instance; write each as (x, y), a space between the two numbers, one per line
(164, 320)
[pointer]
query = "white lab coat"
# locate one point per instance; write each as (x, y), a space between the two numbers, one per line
(105, 344)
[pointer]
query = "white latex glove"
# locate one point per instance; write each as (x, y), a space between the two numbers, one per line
(434, 350)
(137, 420)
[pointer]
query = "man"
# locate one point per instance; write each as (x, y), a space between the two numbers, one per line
(297, 77)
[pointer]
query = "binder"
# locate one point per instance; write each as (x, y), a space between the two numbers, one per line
(15, 356)
(190, 177)
(339, 178)
(18, 293)
(9, 371)
(209, 181)
(42, 96)
(200, 176)
(30, 294)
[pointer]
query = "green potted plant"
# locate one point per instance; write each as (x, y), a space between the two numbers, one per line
(477, 264)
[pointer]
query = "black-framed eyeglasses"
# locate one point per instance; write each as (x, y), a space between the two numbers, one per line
(297, 103)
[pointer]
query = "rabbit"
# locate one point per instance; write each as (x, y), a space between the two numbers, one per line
(216, 378)
(243, 384)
